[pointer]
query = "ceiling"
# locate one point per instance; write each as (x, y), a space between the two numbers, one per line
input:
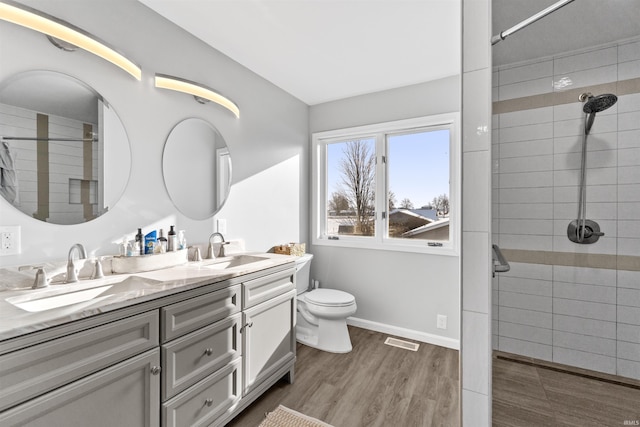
(323, 50)
(577, 25)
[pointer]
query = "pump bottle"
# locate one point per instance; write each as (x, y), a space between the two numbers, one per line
(172, 242)
(140, 241)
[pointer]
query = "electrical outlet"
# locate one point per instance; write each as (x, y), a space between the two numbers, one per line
(10, 240)
(441, 321)
(221, 225)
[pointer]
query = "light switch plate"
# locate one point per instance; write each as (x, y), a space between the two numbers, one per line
(441, 321)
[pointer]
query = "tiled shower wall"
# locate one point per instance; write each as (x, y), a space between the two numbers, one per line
(565, 302)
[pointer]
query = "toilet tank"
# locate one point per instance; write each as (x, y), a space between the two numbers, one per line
(303, 268)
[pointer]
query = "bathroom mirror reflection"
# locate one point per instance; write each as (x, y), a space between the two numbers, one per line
(197, 168)
(64, 153)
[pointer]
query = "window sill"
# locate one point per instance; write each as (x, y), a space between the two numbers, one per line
(447, 249)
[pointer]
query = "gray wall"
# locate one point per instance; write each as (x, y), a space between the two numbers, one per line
(398, 292)
(268, 143)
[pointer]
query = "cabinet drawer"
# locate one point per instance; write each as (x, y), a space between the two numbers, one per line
(35, 370)
(264, 288)
(206, 401)
(187, 316)
(192, 357)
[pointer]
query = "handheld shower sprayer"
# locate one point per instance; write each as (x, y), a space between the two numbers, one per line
(582, 230)
(595, 104)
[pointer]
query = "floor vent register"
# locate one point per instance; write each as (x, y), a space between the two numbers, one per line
(402, 344)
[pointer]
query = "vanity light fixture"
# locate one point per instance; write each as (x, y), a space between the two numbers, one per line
(19, 14)
(201, 93)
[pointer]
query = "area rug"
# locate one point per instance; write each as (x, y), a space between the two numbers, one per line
(285, 417)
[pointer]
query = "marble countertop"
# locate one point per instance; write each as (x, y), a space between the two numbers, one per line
(20, 312)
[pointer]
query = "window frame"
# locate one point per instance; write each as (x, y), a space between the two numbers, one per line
(380, 131)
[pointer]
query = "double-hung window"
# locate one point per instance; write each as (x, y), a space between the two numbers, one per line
(388, 186)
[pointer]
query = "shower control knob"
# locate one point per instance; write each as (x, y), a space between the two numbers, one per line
(584, 234)
(588, 233)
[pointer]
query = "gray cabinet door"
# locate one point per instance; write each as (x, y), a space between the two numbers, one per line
(35, 370)
(269, 339)
(126, 394)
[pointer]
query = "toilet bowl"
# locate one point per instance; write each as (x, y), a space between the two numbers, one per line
(322, 313)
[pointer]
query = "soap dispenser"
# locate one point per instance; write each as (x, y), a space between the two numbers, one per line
(172, 242)
(140, 241)
(162, 242)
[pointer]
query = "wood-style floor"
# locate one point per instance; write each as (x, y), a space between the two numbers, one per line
(373, 385)
(526, 395)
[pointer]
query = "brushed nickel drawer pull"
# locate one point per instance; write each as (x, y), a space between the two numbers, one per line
(208, 351)
(208, 402)
(155, 370)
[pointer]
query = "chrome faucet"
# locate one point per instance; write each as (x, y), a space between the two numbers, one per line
(41, 280)
(72, 271)
(210, 251)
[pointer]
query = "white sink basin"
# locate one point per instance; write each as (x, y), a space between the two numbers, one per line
(234, 261)
(70, 294)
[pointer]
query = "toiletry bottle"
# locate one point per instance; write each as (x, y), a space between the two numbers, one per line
(140, 242)
(149, 242)
(162, 242)
(182, 241)
(123, 246)
(172, 243)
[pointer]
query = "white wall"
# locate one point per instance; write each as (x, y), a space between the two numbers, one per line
(476, 213)
(398, 292)
(268, 143)
(571, 314)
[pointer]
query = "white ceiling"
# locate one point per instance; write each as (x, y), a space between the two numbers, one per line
(577, 25)
(323, 50)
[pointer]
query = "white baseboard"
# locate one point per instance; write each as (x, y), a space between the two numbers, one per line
(405, 333)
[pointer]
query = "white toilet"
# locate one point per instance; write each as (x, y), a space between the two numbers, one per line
(322, 313)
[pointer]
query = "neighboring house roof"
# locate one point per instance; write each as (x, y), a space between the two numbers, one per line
(427, 227)
(428, 214)
(432, 214)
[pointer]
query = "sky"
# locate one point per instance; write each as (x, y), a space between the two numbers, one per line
(418, 165)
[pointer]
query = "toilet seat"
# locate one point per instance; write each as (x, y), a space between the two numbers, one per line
(329, 298)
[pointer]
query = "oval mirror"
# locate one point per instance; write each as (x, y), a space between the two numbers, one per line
(64, 153)
(197, 168)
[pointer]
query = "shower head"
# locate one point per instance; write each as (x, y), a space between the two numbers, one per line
(596, 104)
